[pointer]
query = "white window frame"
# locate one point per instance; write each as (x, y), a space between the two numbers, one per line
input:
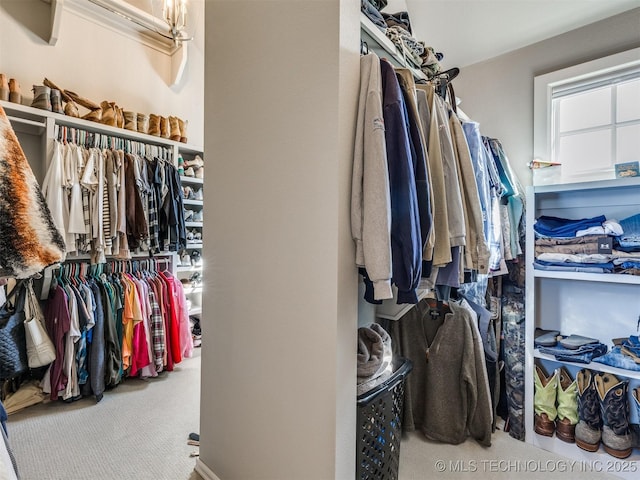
(544, 86)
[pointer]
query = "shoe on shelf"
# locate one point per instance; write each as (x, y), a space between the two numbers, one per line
(108, 113)
(130, 120)
(164, 127)
(41, 97)
(185, 259)
(15, 94)
(195, 162)
(589, 428)
(188, 215)
(154, 125)
(56, 101)
(187, 192)
(94, 115)
(544, 401)
(190, 235)
(197, 237)
(189, 172)
(143, 123)
(196, 258)
(197, 194)
(614, 408)
(183, 130)
(174, 128)
(197, 216)
(567, 406)
(200, 172)
(4, 88)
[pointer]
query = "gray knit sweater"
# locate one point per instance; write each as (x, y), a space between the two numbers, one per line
(447, 393)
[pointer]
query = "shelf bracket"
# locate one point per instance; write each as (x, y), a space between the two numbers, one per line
(178, 64)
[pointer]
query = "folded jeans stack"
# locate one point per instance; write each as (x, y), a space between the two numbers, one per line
(571, 348)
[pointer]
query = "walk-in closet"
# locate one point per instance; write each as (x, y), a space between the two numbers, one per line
(413, 254)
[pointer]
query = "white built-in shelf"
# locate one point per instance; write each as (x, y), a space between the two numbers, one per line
(194, 245)
(195, 311)
(192, 180)
(196, 203)
(589, 277)
(38, 116)
(193, 224)
(188, 268)
(600, 367)
(578, 186)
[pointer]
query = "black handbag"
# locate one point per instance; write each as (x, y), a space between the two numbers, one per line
(13, 346)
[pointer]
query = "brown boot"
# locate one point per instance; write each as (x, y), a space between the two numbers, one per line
(164, 127)
(130, 121)
(174, 126)
(71, 109)
(86, 103)
(15, 95)
(154, 125)
(108, 113)
(94, 115)
(119, 117)
(143, 123)
(183, 130)
(4, 87)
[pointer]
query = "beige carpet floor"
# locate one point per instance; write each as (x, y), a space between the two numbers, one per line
(137, 432)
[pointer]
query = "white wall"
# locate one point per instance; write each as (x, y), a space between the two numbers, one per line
(279, 339)
(100, 63)
(498, 93)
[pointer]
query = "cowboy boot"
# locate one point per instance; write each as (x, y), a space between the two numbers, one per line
(635, 428)
(567, 406)
(614, 408)
(589, 428)
(544, 401)
(4, 87)
(41, 97)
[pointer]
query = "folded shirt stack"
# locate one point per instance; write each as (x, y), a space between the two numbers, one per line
(564, 244)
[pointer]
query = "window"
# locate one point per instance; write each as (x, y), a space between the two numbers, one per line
(588, 117)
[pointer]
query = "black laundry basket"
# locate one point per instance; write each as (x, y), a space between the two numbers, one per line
(380, 426)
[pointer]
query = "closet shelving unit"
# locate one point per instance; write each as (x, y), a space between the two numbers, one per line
(35, 129)
(379, 43)
(602, 306)
(194, 292)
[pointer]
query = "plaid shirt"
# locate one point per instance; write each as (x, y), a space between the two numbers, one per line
(157, 330)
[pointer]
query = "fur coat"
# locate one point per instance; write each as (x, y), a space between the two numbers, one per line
(29, 241)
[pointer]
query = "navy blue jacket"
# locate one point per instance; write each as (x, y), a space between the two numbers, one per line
(406, 238)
